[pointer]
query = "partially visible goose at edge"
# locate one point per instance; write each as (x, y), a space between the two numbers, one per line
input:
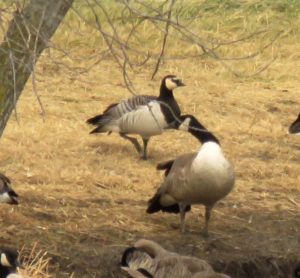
(9, 263)
(295, 126)
(148, 259)
(142, 115)
(202, 177)
(7, 194)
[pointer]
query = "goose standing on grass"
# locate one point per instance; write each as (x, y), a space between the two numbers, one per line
(7, 194)
(143, 115)
(9, 263)
(295, 126)
(203, 177)
(148, 259)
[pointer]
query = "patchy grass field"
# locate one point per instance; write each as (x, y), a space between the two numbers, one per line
(83, 197)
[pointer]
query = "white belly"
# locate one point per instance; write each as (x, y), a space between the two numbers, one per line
(211, 177)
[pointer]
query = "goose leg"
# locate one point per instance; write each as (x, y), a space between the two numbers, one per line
(134, 141)
(145, 155)
(182, 218)
(207, 217)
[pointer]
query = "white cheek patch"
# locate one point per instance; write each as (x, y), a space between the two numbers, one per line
(4, 261)
(185, 124)
(170, 84)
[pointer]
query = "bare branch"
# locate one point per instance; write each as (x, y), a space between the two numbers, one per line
(164, 40)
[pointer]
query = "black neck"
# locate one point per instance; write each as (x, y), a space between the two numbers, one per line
(4, 271)
(202, 134)
(171, 107)
(165, 93)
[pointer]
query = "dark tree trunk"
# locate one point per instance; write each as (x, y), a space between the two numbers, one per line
(28, 35)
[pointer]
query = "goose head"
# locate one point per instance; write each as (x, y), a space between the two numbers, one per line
(9, 258)
(295, 126)
(192, 125)
(7, 194)
(171, 82)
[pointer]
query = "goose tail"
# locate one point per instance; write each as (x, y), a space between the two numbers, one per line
(154, 206)
(99, 129)
(95, 120)
(13, 197)
(165, 166)
(102, 123)
(137, 263)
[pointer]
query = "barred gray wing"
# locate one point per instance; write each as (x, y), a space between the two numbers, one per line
(126, 106)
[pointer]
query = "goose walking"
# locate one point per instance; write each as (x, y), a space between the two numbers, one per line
(295, 126)
(202, 177)
(7, 194)
(144, 115)
(9, 263)
(148, 259)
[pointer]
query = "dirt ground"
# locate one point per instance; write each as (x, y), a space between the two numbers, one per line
(83, 197)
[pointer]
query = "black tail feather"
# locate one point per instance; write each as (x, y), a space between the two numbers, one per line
(127, 252)
(95, 120)
(12, 193)
(13, 201)
(109, 107)
(155, 206)
(145, 272)
(98, 129)
(167, 165)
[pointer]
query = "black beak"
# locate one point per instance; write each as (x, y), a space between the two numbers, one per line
(179, 83)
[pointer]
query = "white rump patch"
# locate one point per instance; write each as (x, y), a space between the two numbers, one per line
(5, 198)
(4, 260)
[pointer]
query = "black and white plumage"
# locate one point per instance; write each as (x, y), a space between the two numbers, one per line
(202, 177)
(295, 126)
(146, 116)
(148, 259)
(7, 194)
(9, 263)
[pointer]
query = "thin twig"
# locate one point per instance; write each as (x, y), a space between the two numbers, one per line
(164, 40)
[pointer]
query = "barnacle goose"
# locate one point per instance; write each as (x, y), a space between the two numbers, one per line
(202, 177)
(148, 259)
(143, 115)
(9, 263)
(7, 194)
(295, 126)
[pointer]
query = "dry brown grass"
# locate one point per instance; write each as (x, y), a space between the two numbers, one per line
(35, 264)
(83, 197)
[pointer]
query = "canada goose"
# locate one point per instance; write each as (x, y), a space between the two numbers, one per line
(143, 115)
(7, 194)
(295, 126)
(203, 177)
(148, 259)
(9, 263)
